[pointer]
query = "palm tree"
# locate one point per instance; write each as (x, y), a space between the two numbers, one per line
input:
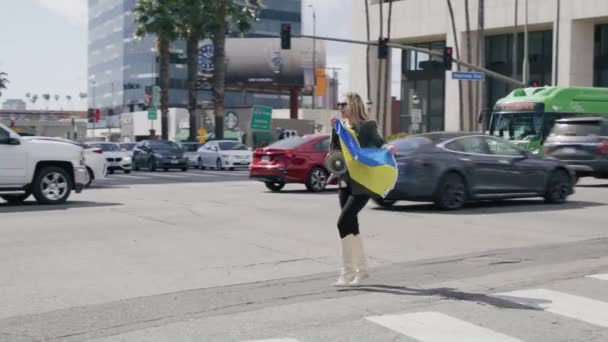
(199, 19)
(369, 95)
(69, 99)
(46, 97)
(3, 81)
(481, 58)
(455, 34)
(469, 52)
(154, 17)
(387, 79)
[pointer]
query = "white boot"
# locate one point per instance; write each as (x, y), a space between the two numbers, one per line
(360, 261)
(347, 272)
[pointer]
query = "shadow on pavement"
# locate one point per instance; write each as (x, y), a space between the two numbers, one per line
(31, 206)
(494, 207)
(592, 186)
(449, 294)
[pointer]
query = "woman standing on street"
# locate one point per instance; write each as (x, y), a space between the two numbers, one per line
(352, 198)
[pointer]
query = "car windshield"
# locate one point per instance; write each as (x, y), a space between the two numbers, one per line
(106, 147)
(163, 145)
(128, 147)
(516, 126)
(577, 128)
(232, 146)
(290, 142)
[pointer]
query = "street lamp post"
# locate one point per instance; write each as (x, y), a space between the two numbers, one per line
(526, 67)
(314, 55)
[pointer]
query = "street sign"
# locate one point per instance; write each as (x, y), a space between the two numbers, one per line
(261, 117)
(152, 114)
(416, 115)
(202, 131)
(156, 96)
(468, 75)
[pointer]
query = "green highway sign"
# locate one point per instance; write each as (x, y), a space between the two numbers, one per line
(152, 114)
(261, 117)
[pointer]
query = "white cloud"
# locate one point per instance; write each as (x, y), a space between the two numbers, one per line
(75, 11)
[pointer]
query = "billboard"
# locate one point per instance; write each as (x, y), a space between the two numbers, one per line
(258, 62)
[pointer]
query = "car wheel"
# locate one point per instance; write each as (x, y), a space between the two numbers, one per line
(451, 193)
(15, 199)
(384, 203)
(184, 169)
(275, 186)
(218, 164)
(199, 164)
(52, 185)
(127, 171)
(90, 177)
(111, 172)
(152, 165)
(558, 187)
(316, 180)
(135, 166)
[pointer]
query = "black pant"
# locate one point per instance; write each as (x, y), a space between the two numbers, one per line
(351, 206)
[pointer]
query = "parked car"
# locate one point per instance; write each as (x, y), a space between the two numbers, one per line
(223, 154)
(191, 152)
(127, 147)
(582, 143)
(293, 160)
(451, 169)
(96, 164)
(116, 159)
(159, 154)
(49, 169)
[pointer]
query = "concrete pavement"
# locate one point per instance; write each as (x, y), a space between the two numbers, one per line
(142, 262)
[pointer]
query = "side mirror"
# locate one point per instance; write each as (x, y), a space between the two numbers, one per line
(14, 141)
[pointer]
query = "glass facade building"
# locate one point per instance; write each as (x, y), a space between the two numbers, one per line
(122, 67)
(600, 70)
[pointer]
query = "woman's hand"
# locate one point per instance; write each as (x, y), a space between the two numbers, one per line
(333, 122)
(392, 148)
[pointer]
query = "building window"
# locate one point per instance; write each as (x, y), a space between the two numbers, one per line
(600, 71)
(499, 58)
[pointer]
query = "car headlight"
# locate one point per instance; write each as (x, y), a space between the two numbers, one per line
(127, 159)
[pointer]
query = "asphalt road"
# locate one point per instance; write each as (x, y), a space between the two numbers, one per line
(231, 261)
(119, 178)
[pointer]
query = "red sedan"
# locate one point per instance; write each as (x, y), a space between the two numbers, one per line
(293, 160)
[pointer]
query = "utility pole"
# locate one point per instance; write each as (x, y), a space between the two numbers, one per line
(515, 34)
(314, 55)
(526, 68)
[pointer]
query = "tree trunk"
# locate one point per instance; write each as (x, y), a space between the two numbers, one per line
(469, 53)
(387, 76)
(163, 49)
(455, 33)
(481, 55)
(378, 106)
(193, 52)
(369, 84)
(219, 74)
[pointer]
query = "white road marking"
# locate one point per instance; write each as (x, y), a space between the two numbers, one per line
(437, 327)
(598, 276)
(128, 176)
(183, 175)
(564, 304)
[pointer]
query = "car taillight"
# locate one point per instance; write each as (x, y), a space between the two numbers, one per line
(603, 148)
(289, 155)
(548, 149)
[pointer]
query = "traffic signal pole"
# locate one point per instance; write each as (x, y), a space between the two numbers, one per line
(489, 73)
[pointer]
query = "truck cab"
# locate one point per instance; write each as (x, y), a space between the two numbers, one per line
(46, 168)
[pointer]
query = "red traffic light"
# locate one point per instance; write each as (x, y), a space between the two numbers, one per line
(286, 28)
(449, 51)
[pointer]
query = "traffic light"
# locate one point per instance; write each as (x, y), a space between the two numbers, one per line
(448, 57)
(534, 84)
(97, 114)
(382, 48)
(286, 36)
(91, 115)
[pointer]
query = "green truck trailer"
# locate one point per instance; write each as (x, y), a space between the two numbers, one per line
(526, 115)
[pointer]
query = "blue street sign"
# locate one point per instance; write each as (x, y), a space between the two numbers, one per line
(468, 75)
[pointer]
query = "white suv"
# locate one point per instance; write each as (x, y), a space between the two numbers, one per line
(46, 168)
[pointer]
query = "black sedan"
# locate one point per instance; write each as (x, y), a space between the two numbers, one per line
(159, 154)
(451, 169)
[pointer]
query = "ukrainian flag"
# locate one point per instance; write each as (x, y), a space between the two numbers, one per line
(373, 169)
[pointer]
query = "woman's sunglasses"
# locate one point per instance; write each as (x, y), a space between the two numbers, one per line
(342, 104)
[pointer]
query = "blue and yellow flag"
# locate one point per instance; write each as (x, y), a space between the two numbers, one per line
(373, 169)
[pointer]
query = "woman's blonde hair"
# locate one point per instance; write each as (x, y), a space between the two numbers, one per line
(357, 108)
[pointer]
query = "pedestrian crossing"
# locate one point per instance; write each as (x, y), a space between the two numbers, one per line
(436, 326)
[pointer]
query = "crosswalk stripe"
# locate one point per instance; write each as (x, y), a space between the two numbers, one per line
(437, 327)
(599, 276)
(274, 340)
(564, 304)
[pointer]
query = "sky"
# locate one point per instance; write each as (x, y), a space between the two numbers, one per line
(44, 46)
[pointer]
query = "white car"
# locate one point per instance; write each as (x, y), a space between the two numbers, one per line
(116, 159)
(95, 162)
(224, 154)
(191, 152)
(46, 168)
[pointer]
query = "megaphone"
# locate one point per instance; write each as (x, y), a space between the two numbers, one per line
(335, 163)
